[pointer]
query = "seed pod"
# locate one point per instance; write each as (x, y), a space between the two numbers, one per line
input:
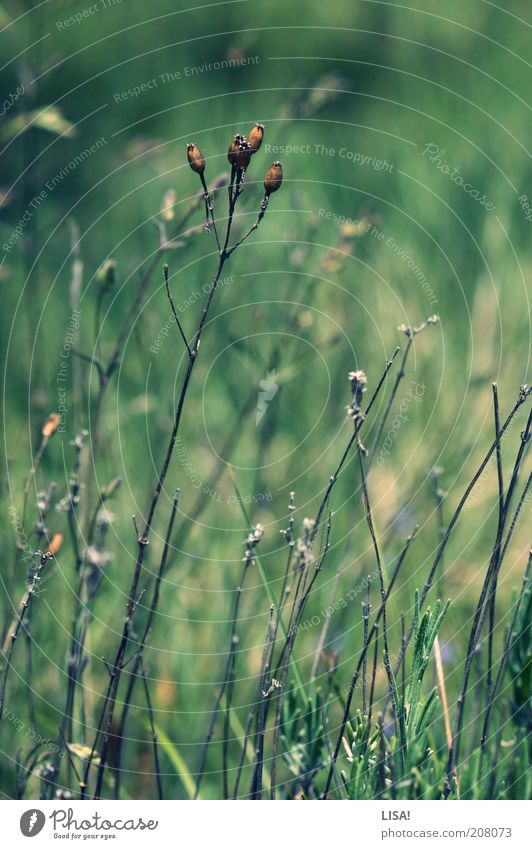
(255, 137)
(106, 274)
(50, 425)
(55, 544)
(234, 149)
(273, 178)
(195, 158)
(243, 157)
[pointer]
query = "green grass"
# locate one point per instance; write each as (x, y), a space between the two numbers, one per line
(312, 300)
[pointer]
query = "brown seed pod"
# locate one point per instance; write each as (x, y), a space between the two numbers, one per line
(239, 153)
(243, 157)
(255, 137)
(234, 149)
(195, 158)
(50, 425)
(273, 178)
(55, 544)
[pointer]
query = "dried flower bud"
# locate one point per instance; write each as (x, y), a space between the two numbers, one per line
(273, 178)
(195, 158)
(106, 274)
(50, 425)
(55, 544)
(255, 137)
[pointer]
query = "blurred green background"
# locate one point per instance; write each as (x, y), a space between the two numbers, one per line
(371, 106)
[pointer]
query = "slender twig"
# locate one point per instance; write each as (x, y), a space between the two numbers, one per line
(157, 766)
(325, 627)
(510, 638)
(264, 692)
(170, 298)
(398, 378)
(366, 608)
(143, 540)
(500, 528)
(398, 714)
(138, 659)
(360, 662)
(478, 623)
(23, 608)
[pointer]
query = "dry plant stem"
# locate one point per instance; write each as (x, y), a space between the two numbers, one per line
(502, 664)
(373, 679)
(228, 682)
(262, 697)
(334, 477)
(209, 210)
(398, 378)
(24, 606)
(356, 673)
(398, 715)
(325, 627)
(138, 658)
(31, 475)
(523, 395)
(260, 216)
(365, 615)
(157, 766)
(224, 686)
(283, 663)
(143, 539)
(107, 372)
(500, 527)
(170, 298)
(476, 629)
(247, 731)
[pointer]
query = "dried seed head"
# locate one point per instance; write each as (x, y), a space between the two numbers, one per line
(106, 274)
(234, 149)
(358, 381)
(255, 137)
(195, 158)
(55, 544)
(239, 153)
(50, 425)
(273, 178)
